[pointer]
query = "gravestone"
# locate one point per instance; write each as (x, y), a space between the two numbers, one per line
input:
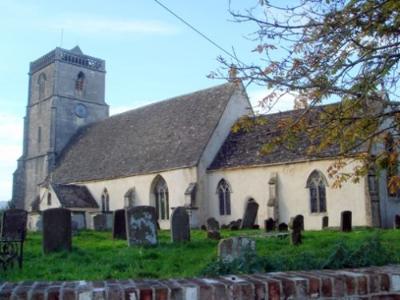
(212, 224)
(250, 214)
(180, 226)
(297, 227)
(345, 221)
(283, 227)
(396, 222)
(13, 225)
(119, 226)
(141, 225)
(203, 227)
(100, 222)
(325, 222)
(213, 235)
(235, 225)
(80, 219)
(57, 230)
(233, 248)
(269, 225)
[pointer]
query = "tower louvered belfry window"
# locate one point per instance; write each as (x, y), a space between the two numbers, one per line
(80, 81)
(41, 85)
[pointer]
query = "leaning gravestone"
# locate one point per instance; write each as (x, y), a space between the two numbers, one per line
(396, 222)
(57, 230)
(141, 225)
(325, 222)
(250, 214)
(269, 225)
(180, 226)
(100, 222)
(297, 225)
(13, 225)
(232, 248)
(283, 227)
(212, 224)
(119, 226)
(345, 221)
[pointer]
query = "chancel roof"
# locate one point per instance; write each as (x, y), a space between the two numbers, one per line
(74, 196)
(162, 136)
(243, 148)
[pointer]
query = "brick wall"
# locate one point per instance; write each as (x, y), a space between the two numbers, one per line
(367, 283)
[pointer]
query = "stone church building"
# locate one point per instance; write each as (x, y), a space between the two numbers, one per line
(177, 152)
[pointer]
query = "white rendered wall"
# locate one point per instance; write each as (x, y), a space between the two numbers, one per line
(292, 192)
(177, 181)
(237, 106)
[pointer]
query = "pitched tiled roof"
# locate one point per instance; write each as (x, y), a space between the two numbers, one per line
(242, 148)
(165, 135)
(74, 196)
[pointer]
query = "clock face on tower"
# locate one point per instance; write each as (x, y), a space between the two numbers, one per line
(81, 111)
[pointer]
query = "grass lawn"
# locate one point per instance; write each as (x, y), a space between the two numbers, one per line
(97, 256)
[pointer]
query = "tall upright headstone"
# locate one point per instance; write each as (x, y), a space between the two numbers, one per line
(250, 214)
(325, 222)
(396, 222)
(57, 233)
(14, 223)
(269, 225)
(345, 221)
(141, 225)
(297, 226)
(119, 226)
(180, 226)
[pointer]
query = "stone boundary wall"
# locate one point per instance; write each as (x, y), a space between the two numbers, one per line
(366, 283)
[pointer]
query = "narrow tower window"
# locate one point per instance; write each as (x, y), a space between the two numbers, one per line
(79, 82)
(42, 85)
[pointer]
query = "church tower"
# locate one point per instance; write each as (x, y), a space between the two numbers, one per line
(66, 92)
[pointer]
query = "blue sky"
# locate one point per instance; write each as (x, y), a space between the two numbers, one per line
(149, 54)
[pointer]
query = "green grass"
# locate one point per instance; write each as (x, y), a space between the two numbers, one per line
(97, 256)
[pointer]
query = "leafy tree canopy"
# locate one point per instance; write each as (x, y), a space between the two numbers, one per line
(324, 51)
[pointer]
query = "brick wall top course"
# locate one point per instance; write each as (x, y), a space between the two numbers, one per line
(365, 283)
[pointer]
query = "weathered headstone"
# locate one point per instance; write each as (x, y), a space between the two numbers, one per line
(345, 221)
(213, 235)
(13, 225)
(325, 222)
(80, 219)
(119, 226)
(283, 227)
(297, 225)
(100, 222)
(269, 225)
(250, 214)
(141, 225)
(235, 225)
(180, 225)
(212, 224)
(396, 222)
(232, 248)
(57, 230)
(203, 227)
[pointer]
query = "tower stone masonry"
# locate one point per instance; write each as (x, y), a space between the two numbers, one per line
(66, 92)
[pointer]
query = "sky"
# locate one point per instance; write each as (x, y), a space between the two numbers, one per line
(150, 55)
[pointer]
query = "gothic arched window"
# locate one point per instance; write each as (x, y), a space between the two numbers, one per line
(224, 197)
(160, 191)
(129, 197)
(105, 201)
(49, 199)
(317, 183)
(79, 82)
(42, 85)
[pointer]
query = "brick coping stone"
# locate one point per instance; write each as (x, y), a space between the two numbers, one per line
(364, 283)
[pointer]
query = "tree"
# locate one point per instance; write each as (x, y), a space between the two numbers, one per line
(322, 51)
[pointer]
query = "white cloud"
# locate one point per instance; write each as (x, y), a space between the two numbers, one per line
(286, 102)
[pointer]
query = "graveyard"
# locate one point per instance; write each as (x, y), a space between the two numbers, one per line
(95, 255)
